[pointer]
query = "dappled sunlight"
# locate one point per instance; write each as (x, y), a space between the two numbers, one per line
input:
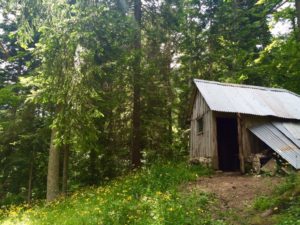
(150, 196)
(18, 221)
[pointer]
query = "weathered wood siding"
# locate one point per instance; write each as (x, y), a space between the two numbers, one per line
(202, 144)
(250, 143)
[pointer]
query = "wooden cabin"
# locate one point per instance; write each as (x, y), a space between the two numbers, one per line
(230, 123)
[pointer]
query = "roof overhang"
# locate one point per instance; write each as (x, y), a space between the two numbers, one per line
(250, 100)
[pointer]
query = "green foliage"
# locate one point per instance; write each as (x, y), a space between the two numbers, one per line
(154, 195)
(285, 202)
(9, 97)
(221, 42)
(291, 215)
(264, 203)
(281, 73)
(69, 65)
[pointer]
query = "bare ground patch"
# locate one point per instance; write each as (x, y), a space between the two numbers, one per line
(234, 193)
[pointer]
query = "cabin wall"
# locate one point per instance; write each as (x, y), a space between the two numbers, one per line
(250, 143)
(202, 145)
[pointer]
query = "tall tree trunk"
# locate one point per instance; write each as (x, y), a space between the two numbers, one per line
(136, 117)
(297, 3)
(30, 176)
(65, 169)
(92, 167)
(167, 79)
(53, 169)
(170, 98)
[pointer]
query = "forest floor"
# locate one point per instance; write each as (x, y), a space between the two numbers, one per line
(235, 194)
(171, 193)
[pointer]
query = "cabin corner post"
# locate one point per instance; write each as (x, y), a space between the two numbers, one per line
(214, 144)
(191, 140)
(240, 143)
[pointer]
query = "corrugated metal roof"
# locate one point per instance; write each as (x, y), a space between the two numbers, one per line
(293, 128)
(284, 128)
(280, 142)
(253, 100)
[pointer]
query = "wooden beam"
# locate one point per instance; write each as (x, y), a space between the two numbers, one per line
(240, 142)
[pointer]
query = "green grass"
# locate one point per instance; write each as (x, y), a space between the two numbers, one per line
(154, 195)
(285, 203)
(151, 195)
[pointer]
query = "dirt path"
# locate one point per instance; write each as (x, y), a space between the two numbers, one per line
(235, 193)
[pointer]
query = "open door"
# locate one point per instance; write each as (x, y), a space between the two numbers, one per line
(228, 148)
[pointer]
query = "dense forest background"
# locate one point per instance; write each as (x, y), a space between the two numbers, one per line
(91, 89)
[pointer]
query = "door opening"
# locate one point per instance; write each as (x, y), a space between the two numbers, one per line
(228, 149)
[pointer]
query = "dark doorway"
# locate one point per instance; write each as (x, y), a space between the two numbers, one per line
(228, 149)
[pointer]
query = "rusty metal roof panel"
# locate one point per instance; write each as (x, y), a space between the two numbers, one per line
(253, 100)
(279, 142)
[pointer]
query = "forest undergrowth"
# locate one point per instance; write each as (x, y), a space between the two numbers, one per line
(154, 195)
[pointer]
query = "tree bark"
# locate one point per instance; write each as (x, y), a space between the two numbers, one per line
(166, 72)
(169, 92)
(297, 4)
(92, 167)
(136, 114)
(65, 169)
(53, 170)
(30, 177)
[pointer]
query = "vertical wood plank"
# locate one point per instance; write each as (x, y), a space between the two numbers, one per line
(240, 142)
